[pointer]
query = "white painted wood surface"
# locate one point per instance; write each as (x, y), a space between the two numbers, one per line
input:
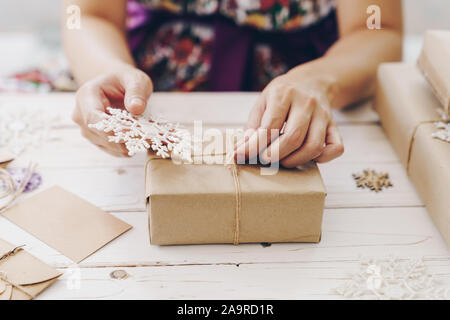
(356, 222)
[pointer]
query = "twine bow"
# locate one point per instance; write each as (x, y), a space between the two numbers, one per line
(412, 138)
(4, 276)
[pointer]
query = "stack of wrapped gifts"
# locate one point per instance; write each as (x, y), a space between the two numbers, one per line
(413, 106)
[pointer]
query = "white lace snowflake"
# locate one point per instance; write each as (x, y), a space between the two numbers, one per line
(22, 127)
(140, 133)
(393, 279)
(443, 133)
(444, 127)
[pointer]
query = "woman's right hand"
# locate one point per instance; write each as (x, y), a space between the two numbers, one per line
(127, 88)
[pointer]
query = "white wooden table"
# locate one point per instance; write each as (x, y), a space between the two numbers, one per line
(357, 223)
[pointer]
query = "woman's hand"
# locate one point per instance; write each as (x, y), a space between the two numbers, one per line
(302, 109)
(127, 88)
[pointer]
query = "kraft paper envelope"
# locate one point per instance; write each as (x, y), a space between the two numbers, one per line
(66, 222)
(24, 270)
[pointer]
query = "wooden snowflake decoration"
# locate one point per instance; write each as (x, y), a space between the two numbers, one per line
(141, 133)
(372, 180)
(392, 279)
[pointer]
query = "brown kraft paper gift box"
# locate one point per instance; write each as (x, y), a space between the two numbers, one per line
(408, 110)
(196, 204)
(434, 62)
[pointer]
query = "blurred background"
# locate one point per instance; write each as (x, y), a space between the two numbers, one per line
(29, 31)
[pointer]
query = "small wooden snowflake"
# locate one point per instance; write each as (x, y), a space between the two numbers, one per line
(372, 180)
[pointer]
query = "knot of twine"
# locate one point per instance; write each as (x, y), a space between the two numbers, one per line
(4, 275)
(8, 187)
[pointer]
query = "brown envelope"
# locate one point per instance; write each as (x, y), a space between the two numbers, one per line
(25, 270)
(66, 222)
(434, 63)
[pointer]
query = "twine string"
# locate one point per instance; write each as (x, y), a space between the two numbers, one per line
(4, 276)
(9, 186)
(230, 163)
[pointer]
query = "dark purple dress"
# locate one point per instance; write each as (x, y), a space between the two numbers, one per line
(222, 45)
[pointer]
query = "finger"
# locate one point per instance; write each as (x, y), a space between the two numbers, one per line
(313, 145)
(111, 152)
(294, 134)
(247, 134)
(256, 114)
(91, 105)
(101, 139)
(273, 118)
(334, 145)
(138, 87)
(254, 120)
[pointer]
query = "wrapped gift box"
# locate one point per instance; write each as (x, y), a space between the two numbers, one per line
(199, 203)
(408, 112)
(434, 62)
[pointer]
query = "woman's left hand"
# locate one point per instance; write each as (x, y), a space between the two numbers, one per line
(302, 109)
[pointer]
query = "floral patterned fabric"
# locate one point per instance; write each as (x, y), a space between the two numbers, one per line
(178, 42)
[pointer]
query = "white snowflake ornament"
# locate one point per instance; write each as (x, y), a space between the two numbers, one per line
(22, 127)
(393, 279)
(141, 133)
(443, 132)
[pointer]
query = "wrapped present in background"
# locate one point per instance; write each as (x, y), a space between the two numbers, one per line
(434, 62)
(408, 111)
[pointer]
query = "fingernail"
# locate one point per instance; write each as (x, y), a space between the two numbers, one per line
(265, 157)
(136, 102)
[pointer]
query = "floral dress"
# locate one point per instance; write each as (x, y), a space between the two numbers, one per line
(226, 45)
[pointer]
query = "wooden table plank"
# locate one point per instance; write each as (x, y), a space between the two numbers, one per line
(403, 232)
(365, 144)
(212, 108)
(122, 188)
(309, 280)
(72, 162)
